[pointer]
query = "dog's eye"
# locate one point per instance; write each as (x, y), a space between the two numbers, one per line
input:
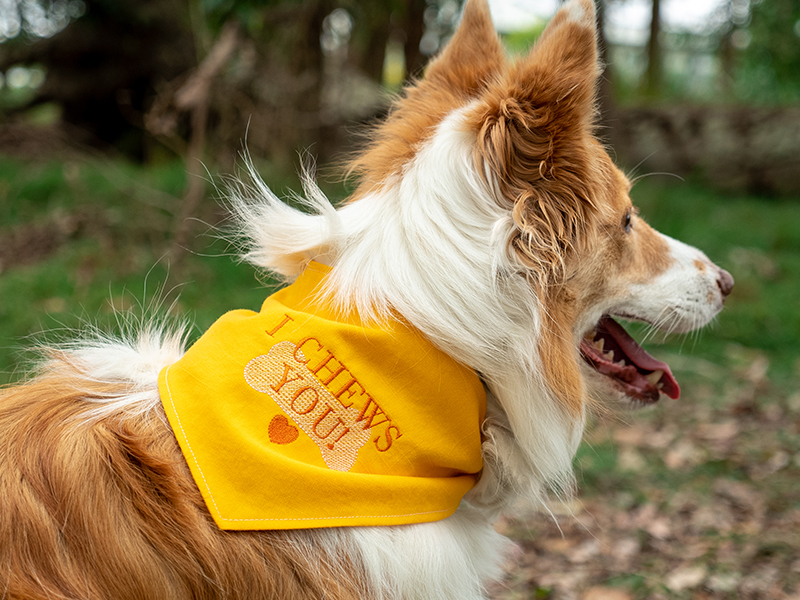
(626, 222)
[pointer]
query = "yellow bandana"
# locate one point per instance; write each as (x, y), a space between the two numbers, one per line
(296, 417)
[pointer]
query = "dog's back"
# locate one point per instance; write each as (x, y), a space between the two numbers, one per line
(101, 504)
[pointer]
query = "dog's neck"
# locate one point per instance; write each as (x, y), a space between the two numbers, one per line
(432, 246)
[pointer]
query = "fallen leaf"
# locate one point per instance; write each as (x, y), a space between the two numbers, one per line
(777, 461)
(682, 454)
(757, 370)
(565, 581)
(659, 528)
(585, 552)
(560, 545)
(712, 517)
(740, 494)
(684, 578)
(760, 581)
(645, 514)
(605, 593)
(724, 582)
(660, 439)
(718, 432)
(772, 412)
(625, 549)
(629, 459)
(632, 436)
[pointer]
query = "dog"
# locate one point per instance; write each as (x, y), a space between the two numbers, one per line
(490, 246)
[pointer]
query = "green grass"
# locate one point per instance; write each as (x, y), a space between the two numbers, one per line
(120, 255)
(117, 251)
(117, 254)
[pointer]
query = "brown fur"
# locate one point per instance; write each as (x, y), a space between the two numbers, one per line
(106, 508)
(558, 352)
(534, 128)
(651, 257)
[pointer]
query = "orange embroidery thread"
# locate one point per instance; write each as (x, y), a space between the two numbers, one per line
(281, 431)
(295, 392)
(283, 374)
(286, 319)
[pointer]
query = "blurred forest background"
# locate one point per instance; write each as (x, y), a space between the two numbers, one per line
(116, 117)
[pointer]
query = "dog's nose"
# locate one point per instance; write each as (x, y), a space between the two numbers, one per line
(725, 282)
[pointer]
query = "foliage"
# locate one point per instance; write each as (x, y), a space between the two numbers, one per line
(31, 20)
(130, 72)
(81, 239)
(769, 69)
(102, 69)
(520, 42)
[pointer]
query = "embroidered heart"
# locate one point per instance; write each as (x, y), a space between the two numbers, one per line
(281, 431)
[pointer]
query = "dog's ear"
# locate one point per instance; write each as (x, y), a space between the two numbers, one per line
(561, 70)
(461, 73)
(473, 56)
(563, 65)
(535, 128)
(534, 138)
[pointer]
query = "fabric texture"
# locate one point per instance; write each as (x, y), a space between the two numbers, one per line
(298, 417)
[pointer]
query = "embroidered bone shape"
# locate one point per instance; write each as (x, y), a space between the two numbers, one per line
(284, 375)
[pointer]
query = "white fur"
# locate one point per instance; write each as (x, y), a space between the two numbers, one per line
(134, 358)
(580, 13)
(473, 301)
(444, 560)
(278, 237)
(683, 298)
(431, 246)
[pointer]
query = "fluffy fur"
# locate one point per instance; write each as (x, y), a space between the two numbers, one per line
(488, 217)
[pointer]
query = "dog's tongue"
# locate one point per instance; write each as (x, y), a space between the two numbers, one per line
(633, 367)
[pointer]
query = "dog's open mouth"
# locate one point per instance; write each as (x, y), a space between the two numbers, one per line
(614, 353)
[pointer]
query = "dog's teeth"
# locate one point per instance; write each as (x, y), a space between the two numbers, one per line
(654, 376)
(620, 363)
(609, 356)
(599, 344)
(660, 385)
(590, 335)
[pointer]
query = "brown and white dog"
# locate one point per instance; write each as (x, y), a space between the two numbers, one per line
(489, 218)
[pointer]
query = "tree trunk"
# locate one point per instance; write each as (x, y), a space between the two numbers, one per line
(605, 98)
(414, 27)
(653, 74)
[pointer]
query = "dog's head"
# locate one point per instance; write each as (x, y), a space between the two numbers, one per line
(490, 217)
(586, 251)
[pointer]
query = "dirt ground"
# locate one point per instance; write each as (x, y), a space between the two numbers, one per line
(698, 498)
